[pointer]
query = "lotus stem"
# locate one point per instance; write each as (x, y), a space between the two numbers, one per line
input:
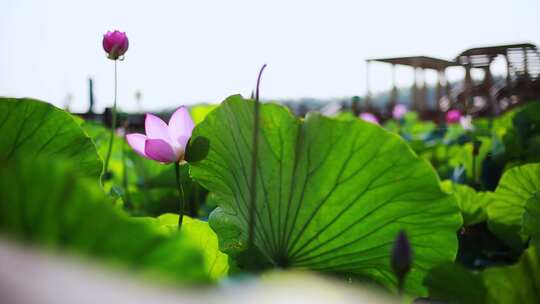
(253, 181)
(180, 189)
(113, 124)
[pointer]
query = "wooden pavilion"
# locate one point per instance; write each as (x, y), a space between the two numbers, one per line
(419, 64)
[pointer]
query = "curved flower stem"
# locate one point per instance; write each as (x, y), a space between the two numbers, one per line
(113, 124)
(180, 194)
(253, 181)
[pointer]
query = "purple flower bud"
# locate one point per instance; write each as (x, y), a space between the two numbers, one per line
(399, 111)
(401, 256)
(453, 116)
(115, 44)
(369, 117)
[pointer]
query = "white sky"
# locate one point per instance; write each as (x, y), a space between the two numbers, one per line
(183, 52)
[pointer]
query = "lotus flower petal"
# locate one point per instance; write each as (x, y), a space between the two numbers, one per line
(180, 127)
(160, 150)
(156, 128)
(137, 142)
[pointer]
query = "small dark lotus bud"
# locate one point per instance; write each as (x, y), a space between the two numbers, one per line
(401, 257)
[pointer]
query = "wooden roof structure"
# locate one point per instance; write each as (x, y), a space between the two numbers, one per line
(495, 50)
(423, 62)
(481, 57)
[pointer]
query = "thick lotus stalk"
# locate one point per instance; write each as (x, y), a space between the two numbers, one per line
(401, 258)
(166, 143)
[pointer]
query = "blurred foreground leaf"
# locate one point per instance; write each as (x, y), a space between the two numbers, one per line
(46, 201)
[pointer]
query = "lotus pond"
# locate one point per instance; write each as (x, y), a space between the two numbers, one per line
(407, 208)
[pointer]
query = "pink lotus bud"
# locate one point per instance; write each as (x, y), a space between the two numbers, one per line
(164, 143)
(401, 257)
(399, 111)
(453, 116)
(369, 117)
(115, 44)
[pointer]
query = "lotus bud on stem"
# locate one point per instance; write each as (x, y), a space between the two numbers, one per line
(401, 259)
(115, 44)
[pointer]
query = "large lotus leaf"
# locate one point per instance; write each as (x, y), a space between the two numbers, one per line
(472, 204)
(46, 201)
(331, 195)
(505, 212)
(32, 128)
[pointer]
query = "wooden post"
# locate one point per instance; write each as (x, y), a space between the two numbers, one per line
(91, 96)
(468, 86)
(508, 75)
(526, 93)
(423, 96)
(440, 78)
(447, 88)
(525, 64)
(414, 91)
(393, 94)
(488, 83)
(368, 89)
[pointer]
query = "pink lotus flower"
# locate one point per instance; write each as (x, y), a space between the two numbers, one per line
(115, 44)
(369, 117)
(466, 122)
(164, 143)
(453, 116)
(399, 111)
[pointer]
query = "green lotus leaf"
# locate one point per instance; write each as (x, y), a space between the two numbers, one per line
(31, 128)
(200, 233)
(471, 203)
(331, 195)
(505, 212)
